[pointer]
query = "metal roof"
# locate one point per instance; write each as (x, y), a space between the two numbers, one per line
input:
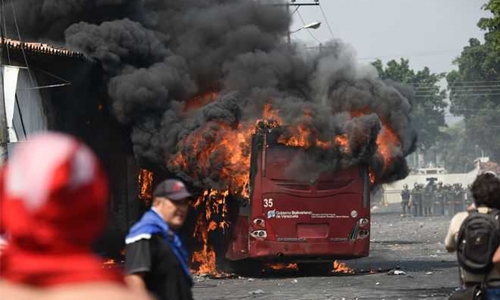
(40, 48)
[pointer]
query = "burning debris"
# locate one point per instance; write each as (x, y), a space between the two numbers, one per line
(145, 179)
(340, 267)
(212, 210)
(192, 78)
(281, 266)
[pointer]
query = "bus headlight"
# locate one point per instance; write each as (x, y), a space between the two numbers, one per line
(363, 234)
(262, 234)
(259, 222)
(354, 213)
(363, 222)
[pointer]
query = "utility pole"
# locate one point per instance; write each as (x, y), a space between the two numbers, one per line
(293, 3)
(4, 135)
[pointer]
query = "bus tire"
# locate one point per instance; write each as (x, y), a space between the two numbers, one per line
(247, 267)
(318, 269)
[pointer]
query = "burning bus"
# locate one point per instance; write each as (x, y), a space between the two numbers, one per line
(309, 217)
(184, 98)
(291, 193)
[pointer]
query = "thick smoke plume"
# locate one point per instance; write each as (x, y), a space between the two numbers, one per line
(187, 75)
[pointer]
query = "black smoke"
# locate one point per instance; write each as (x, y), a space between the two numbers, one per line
(159, 54)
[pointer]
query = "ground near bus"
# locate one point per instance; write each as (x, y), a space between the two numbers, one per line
(411, 245)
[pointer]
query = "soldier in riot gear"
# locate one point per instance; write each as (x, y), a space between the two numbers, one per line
(448, 199)
(469, 201)
(405, 199)
(428, 196)
(458, 198)
(439, 200)
(416, 199)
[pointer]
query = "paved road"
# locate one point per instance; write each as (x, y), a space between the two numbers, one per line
(414, 245)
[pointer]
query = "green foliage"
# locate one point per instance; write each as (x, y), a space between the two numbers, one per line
(428, 105)
(457, 151)
(475, 87)
(492, 25)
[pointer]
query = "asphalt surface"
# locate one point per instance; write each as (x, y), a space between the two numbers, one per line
(411, 245)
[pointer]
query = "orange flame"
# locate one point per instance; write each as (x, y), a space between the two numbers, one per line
(271, 114)
(281, 266)
(371, 176)
(226, 148)
(340, 267)
(232, 147)
(303, 135)
(204, 260)
(343, 142)
(386, 141)
(145, 179)
(199, 101)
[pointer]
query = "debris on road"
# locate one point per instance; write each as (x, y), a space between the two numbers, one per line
(257, 292)
(396, 272)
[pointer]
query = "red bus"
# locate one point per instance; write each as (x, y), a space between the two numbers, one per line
(288, 220)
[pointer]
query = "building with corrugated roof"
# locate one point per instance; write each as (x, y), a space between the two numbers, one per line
(57, 89)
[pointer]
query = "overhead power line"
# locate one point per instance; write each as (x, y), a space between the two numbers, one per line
(462, 83)
(458, 91)
(409, 55)
(21, 42)
(461, 88)
(327, 22)
(466, 95)
(497, 90)
(474, 109)
(459, 82)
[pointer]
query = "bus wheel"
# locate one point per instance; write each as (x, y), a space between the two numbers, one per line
(247, 267)
(318, 269)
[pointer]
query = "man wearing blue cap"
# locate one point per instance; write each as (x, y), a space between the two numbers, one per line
(155, 258)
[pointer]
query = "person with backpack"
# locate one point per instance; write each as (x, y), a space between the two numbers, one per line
(475, 236)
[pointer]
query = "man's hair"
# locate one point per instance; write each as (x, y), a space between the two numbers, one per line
(486, 190)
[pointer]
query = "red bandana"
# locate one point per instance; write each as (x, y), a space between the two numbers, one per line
(53, 205)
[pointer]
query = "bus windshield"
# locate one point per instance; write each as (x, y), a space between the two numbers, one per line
(292, 164)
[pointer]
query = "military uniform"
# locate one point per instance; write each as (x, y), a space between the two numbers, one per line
(439, 200)
(405, 199)
(458, 198)
(469, 200)
(416, 199)
(448, 200)
(428, 199)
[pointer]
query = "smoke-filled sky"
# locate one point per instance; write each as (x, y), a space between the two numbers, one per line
(188, 75)
(430, 33)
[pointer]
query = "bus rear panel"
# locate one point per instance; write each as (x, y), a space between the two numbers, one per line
(321, 219)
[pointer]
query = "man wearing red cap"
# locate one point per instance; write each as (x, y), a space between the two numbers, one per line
(156, 259)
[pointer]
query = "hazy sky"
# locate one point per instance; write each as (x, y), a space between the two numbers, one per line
(428, 32)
